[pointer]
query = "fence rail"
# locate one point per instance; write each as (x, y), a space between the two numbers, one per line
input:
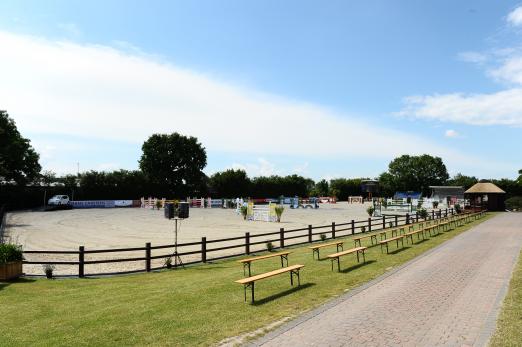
(330, 231)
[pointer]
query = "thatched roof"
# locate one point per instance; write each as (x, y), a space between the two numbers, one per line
(484, 188)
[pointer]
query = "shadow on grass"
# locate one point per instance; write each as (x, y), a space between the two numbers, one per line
(418, 242)
(402, 249)
(16, 281)
(281, 294)
(356, 266)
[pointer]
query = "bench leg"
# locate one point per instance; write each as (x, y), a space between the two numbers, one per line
(357, 256)
(381, 248)
(339, 246)
(291, 278)
(364, 258)
(387, 252)
(372, 238)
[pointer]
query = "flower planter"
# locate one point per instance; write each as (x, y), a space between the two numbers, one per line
(11, 270)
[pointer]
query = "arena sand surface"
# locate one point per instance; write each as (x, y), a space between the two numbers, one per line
(133, 227)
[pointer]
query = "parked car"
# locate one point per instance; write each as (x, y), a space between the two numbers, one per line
(58, 200)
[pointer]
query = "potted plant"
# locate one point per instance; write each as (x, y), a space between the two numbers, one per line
(244, 212)
(11, 257)
(279, 212)
(49, 269)
(158, 204)
(423, 213)
(168, 262)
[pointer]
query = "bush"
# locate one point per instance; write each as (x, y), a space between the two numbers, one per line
(48, 269)
(244, 211)
(10, 252)
(269, 246)
(435, 204)
(363, 229)
(323, 237)
(370, 210)
(423, 213)
(457, 208)
(279, 212)
(514, 203)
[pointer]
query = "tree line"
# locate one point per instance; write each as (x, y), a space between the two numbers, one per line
(171, 166)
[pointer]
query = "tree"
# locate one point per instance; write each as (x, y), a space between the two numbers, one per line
(342, 188)
(321, 188)
(463, 180)
(48, 177)
(230, 184)
(174, 162)
(414, 173)
(18, 159)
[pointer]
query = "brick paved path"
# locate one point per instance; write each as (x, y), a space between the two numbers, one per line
(449, 297)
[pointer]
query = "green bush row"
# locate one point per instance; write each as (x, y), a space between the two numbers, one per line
(10, 252)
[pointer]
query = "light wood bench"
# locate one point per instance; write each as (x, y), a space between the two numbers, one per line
(250, 281)
(418, 232)
(315, 249)
(396, 238)
(399, 231)
(337, 256)
(246, 262)
(357, 240)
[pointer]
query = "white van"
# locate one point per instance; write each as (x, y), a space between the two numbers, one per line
(58, 200)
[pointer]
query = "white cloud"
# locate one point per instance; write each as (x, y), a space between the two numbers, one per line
(451, 133)
(515, 17)
(509, 71)
(473, 57)
(99, 92)
(261, 167)
(504, 108)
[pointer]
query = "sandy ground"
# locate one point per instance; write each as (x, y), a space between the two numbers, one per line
(133, 227)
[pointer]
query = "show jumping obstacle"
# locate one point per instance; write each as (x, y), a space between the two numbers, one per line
(355, 199)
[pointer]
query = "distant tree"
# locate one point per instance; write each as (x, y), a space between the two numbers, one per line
(415, 173)
(18, 159)
(342, 188)
(519, 180)
(48, 177)
(174, 162)
(230, 184)
(275, 186)
(322, 188)
(462, 180)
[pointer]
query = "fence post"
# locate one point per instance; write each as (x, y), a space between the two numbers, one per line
(416, 217)
(147, 256)
(282, 237)
(407, 218)
(384, 222)
(396, 221)
(204, 249)
(247, 243)
(353, 227)
(333, 230)
(369, 224)
(432, 214)
(81, 261)
(446, 213)
(310, 233)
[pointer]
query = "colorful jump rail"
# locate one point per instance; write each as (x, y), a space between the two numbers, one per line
(295, 237)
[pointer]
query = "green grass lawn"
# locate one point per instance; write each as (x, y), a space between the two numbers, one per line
(199, 305)
(509, 323)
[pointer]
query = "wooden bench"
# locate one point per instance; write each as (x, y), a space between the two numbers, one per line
(418, 232)
(400, 231)
(338, 255)
(357, 240)
(396, 238)
(250, 281)
(246, 262)
(315, 249)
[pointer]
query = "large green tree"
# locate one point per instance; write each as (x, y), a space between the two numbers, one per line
(175, 163)
(414, 173)
(463, 180)
(18, 159)
(230, 184)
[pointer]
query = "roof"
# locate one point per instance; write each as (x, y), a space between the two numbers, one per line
(404, 195)
(484, 188)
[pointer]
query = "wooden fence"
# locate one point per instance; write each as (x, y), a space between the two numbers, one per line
(208, 252)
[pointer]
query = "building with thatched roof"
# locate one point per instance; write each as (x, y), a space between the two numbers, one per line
(486, 195)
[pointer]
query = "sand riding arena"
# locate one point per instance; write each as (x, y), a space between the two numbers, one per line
(132, 228)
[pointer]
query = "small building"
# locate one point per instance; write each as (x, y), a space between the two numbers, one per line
(486, 195)
(409, 195)
(447, 194)
(370, 187)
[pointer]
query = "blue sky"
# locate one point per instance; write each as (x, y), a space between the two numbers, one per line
(325, 90)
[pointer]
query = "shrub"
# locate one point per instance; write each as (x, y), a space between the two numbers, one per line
(370, 210)
(514, 203)
(363, 229)
(279, 212)
(10, 252)
(390, 224)
(158, 205)
(48, 269)
(457, 208)
(269, 246)
(244, 211)
(168, 262)
(435, 204)
(385, 203)
(423, 213)
(323, 237)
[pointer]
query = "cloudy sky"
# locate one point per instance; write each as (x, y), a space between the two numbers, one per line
(321, 89)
